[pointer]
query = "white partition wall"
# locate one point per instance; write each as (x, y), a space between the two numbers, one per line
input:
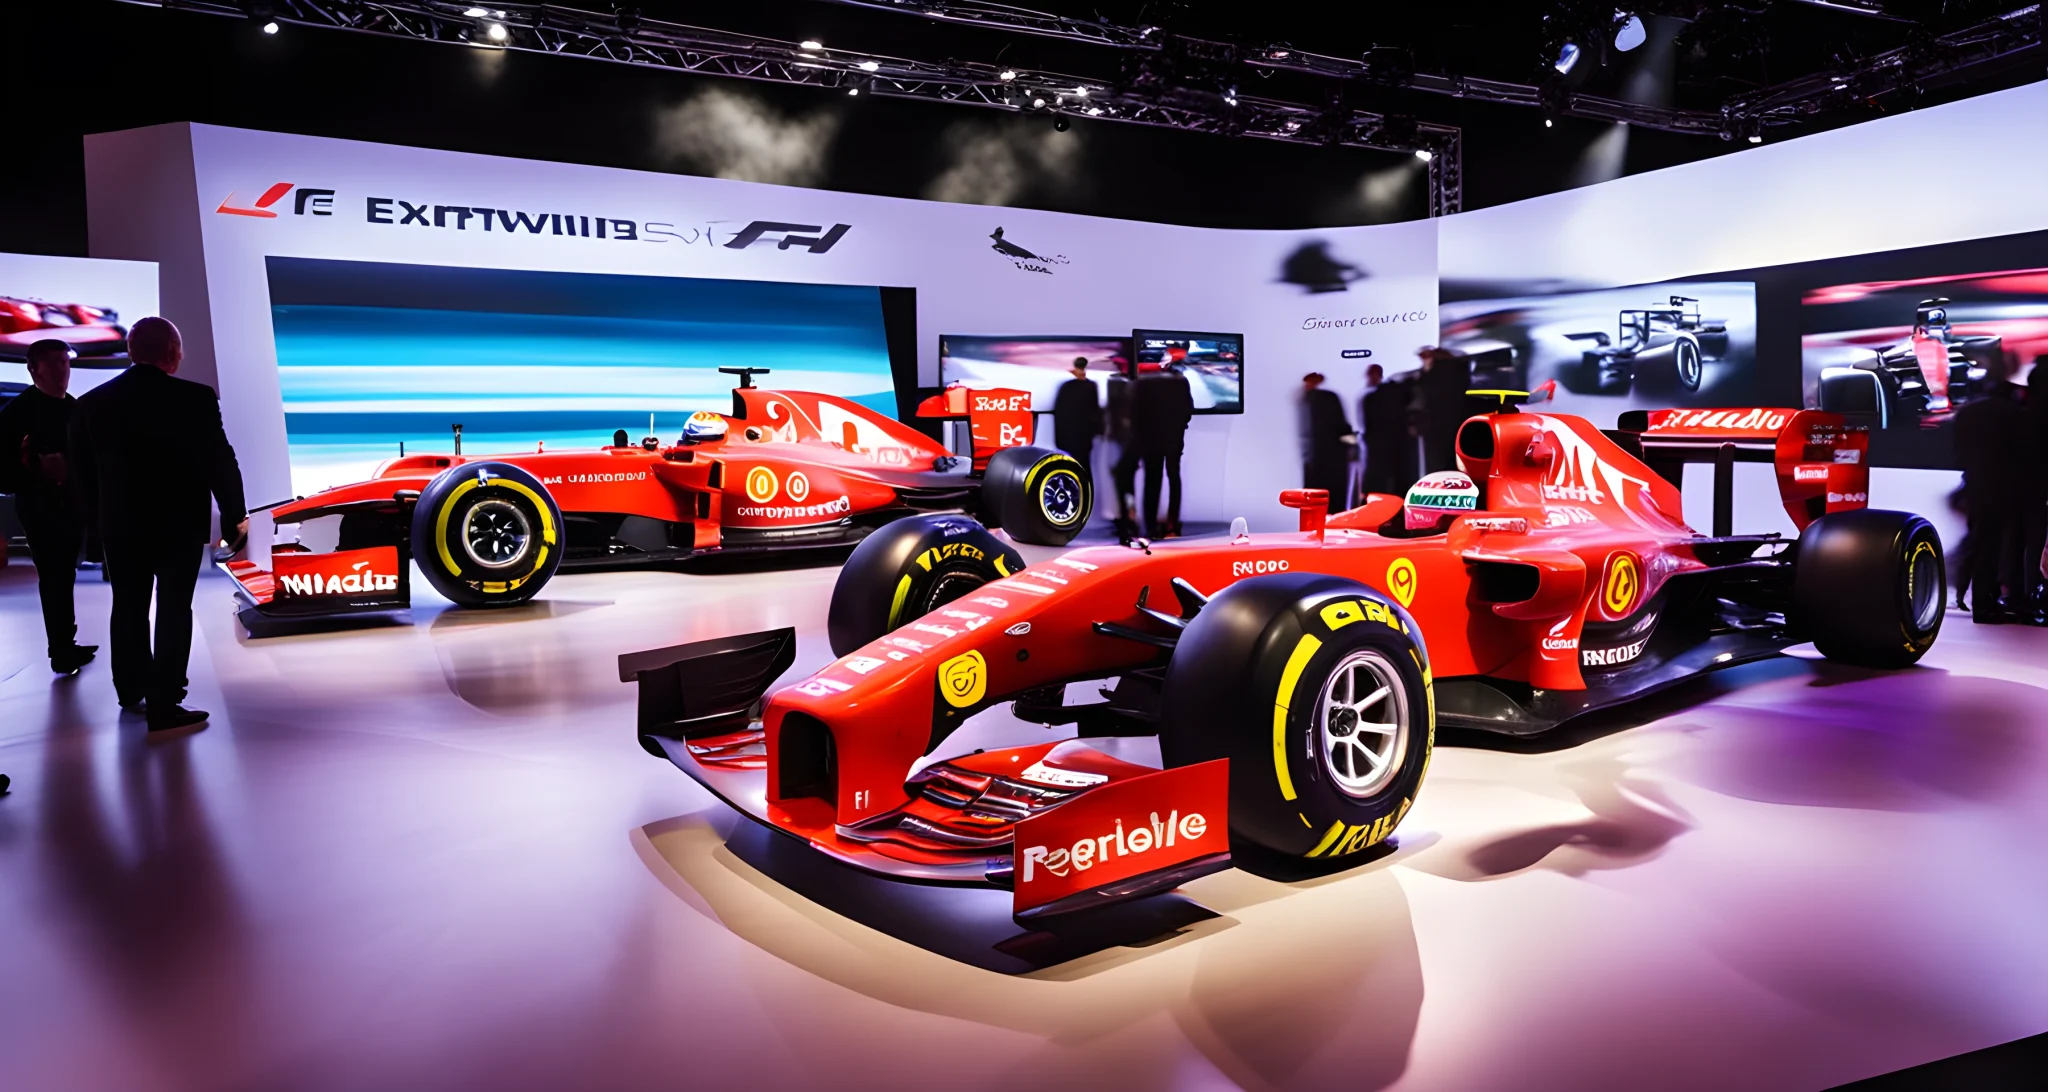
(343, 200)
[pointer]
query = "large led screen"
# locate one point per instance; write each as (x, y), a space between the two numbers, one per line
(1675, 343)
(372, 356)
(1036, 364)
(1908, 354)
(1212, 364)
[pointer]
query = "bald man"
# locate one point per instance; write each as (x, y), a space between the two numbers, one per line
(149, 453)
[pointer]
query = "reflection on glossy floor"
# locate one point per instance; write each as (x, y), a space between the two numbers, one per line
(431, 856)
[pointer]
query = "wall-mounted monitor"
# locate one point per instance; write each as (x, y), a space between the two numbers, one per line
(1036, 363)
(1212, 364)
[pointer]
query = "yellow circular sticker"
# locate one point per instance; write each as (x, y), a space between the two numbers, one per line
(963, 679)
(761, 484)
(1401, 580)
(799, 487)
(1624, 583)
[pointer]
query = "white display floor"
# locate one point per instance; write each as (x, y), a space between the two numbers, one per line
(432, 856)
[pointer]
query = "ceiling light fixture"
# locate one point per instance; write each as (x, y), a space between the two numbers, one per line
(1566, 58)
(810, 43)
(870, 66)
(1424, 154)
(476, 13)
(1631, 33)
(270, 27)
(1006, 75)
(496, 32)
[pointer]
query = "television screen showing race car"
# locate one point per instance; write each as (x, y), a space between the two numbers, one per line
(1213, 365)
(1907, 354)
(374, 355)
(1036, 364)
(1607, 350)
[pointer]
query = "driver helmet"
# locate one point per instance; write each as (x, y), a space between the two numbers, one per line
(703, 425)
(1439, 498)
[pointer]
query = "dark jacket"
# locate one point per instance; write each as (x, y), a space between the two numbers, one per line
(1325, 428)
(1077, 415)
(147, 450)
(1995, 443)
(1161, 407)
(31, 426)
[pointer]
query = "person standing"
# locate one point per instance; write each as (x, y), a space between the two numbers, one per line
(2034, 526)
(1994, 442)
(1161, 407)
(1389, 444)
(34, 430)
(1077, 417)
(1327, 442)
(1446, 376)
(148, 450)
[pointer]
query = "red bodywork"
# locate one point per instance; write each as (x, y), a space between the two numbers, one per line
(90, 331)
(1540, 590)
(792, 469)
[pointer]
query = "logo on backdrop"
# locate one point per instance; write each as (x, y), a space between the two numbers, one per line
(1024, 259)
(314, 201)
(398, 212)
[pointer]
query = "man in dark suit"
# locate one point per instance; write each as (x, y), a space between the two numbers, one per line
(147, 451)
(1161, 407)
(1328, 444)
(34, 431)
(1077, 417)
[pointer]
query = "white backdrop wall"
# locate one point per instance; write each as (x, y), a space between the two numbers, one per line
(1110, 275)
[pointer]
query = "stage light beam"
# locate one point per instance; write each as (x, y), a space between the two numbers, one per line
(1566, 58)
(1631, 33)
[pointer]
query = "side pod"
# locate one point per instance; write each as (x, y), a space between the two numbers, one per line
(705, 687)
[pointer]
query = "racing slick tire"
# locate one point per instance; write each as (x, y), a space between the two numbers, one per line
(1676, 371)
(487, 534)
(1317, 689)
(1037, 495)
(1870, 587)
(909, 568)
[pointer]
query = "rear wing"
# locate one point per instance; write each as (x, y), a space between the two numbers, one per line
(1822, 461)
(996, 418)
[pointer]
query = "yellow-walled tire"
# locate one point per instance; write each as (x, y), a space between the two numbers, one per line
(908, 568)
(1317, 689)
(1037, 495)
(487, 535)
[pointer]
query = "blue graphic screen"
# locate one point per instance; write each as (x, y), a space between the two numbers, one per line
(373, 355)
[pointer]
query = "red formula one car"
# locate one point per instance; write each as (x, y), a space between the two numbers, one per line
(1294, 681)
(784, 470)
(94, 333)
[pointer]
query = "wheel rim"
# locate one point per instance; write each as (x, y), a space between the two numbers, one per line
(1688, 365)
(1923, 586)
(1362, 721)
(950, 586)
(1059, 497)
(496, 534)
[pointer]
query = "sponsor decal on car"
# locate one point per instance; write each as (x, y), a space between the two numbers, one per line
(1623, 584)
(1565, 515)
(1808, 472)
(372, 571)
(862, 665)
(946, 551)
(823, 687)
(762, 485)
(1342, 613)
(1077, 566)
(1123, 829)
(1066, 779)
(1258, 568)
(1612, 657)
(1720, 420)
(797, 486)
(1848, 498)
(1402, 581)
(963, 680)
(832, 507)
(1510, 525)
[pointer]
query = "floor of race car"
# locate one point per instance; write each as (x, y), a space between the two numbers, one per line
(430, 855)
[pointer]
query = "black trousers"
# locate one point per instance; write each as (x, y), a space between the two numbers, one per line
(1083, 453)
(1996, 533)
(53, 542)
(138, 568)
(1156, 465)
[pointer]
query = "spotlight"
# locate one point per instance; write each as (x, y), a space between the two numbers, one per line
(1037, 103)
(1006, 75)
(853, 90)
(870, 66)
(1059, 124)
(1566, 58)
(496, 32)
(1756, 138)
(1424, 154)
(475, 13)
(810, 44)
(1547, 123)
(1080, 92)
(1631, 34)
(1095, 111)
(270, 27)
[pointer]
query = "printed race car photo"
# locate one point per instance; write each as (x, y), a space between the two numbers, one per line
(1293, 681)
(94, 333)
(1662, 349)
(784, 470)
(1920, 379)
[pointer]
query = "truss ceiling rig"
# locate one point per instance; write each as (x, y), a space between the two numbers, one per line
(627, 39)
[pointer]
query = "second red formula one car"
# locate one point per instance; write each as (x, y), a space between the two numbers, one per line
(785, 469)
(1294, 681)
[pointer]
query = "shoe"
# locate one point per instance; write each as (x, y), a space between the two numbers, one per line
(4, 782)
(174, 718)
(68, 661)
(135, 708)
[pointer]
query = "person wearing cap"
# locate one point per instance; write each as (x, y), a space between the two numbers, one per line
(33, 433)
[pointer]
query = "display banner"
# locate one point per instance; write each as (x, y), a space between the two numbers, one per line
(1329, 301)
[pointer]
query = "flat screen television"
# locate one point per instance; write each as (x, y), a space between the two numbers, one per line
(1036, 363)
(1213, 365)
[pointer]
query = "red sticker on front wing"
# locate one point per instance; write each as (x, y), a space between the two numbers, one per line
(1123, 829)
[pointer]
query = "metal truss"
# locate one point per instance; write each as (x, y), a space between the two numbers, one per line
(627, 39)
